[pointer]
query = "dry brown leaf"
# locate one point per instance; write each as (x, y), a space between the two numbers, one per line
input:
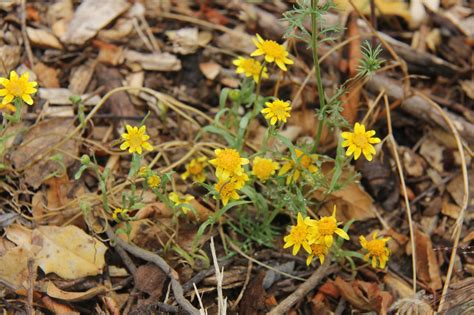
(59, 193)
(38, 140)
(210, 69)
(397, 284)
(67, 251)
(90, 17)
(55, 292)
(413, 164)
(426, 262)
(42, 38)
(56, 307)
(352, 201)
(150, 279)
(10, 56)
(47, 76)
(384, 7)
(154, 62)
(122, 28)
(109, 54)
(14, 267)
(365, 296)
(432, 151)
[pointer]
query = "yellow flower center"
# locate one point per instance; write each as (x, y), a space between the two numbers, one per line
(299, 233)
(17, 87)
(272, 48)
(376, 247)
(327, 226)
(360, 140)
(251, 66)
(135, 140)
(195, 169)
(263, 168)
(280, 109)
(229, 160)
(318, 249)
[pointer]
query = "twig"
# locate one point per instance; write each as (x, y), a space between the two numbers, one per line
(303, 289)
(162, 264)
(201, 275)
(29, 53)
(31, 285)
(404, 189)
(153, 307)
(244, 287)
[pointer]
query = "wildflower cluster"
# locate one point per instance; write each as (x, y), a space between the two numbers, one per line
(316, 237)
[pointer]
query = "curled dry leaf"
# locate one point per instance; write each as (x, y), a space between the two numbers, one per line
(42, 38)
(67, 251)
(365, 296)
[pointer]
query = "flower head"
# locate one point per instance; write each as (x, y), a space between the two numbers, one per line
(195, 169)
(250, 68)
(376, 249)
(17, 87)
(305, 163)
(179, 200)
(136, 139)
(319, 250)
(277, 111)
(228, 163)
(299, 235)
(324, 229)
(263, 168)
(227, 190)
(360, 141)
(272, 51)
(154, 181)
(239, 180)
(119, 214)
(144, 171)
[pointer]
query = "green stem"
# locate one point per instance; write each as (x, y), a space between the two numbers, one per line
(317, 71)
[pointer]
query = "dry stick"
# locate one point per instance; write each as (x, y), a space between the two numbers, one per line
(29, 53)
(31, 284)
(244, 287)
(162, 264)
(284, 306)
(404, 189)
(465, 201)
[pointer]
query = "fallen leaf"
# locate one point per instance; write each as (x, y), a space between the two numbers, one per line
(62, 96)
(14, 267)
(10, 56)
(67, 251)
(253, 300)
(150, 279)
(210, 69)
(413, 164)
(47, 76)
(365, 296)
(109, 54)
(90, 17)
(42, 38)
(384, 7)
(432, 151)
(154, 62)
(426, 262)
(57, 307)
(39, 139)
(184, 41)
(398, 285)
(55, 292)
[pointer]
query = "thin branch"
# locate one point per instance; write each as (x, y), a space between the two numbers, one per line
(162, 264)
(303, 289)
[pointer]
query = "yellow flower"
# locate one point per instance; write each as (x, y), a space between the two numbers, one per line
(319, 250)
(135, 140)
(153, 181)
(263, 168)
(228, 163)
(324, 229)
(272, 51)
(277, 111)
(17, 87)
(8, 106)
(239, 180)
(305, 162)
(119, 212)
(299, 235)
(360, 141)
(227, 190)
(195, 169)
(143, 171)
(179, 200)
(376, 249)
(250, 67)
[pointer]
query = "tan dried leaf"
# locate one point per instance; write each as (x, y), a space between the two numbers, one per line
(55, 292)
(42, 38)
(426, 262)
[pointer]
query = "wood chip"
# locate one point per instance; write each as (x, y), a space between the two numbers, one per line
(10, 56)
(81, 76)
(155, 62)
(42, 38)
(90, 17)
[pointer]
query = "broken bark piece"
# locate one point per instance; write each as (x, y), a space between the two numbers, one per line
(42, 38)
(154, 62)
(419, 107)
(90, 17)
(61, 97)
(81, 76)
